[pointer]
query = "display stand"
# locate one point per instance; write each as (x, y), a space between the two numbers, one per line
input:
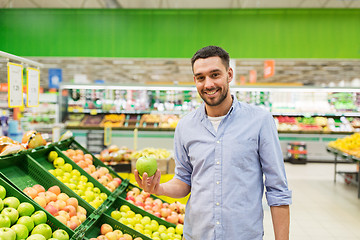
(347, 158)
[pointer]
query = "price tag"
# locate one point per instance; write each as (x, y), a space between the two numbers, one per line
(15, 85)
(93, 112)
(107, 133)
(135, 138)
(33, 86)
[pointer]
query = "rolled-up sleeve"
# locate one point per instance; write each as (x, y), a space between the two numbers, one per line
(272, 162)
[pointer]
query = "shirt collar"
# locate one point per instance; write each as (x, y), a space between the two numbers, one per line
(233, 107)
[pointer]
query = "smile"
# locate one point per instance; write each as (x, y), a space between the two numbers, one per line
(211, 93)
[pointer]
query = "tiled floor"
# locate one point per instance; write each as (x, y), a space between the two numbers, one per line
(321, 209)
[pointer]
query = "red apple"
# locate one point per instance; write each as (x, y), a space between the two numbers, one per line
(105, 228)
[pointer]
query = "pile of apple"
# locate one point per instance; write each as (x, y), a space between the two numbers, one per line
(18, 220)
(77, 182)
(108, 233)
(145, 225)
(85, 161)
(173, 213)
(64, 208)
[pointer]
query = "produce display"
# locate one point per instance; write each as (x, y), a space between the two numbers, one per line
(21, 220)
(77, 182)
(145, 225)
(158, 153)
(108, 233)
(115, 120)
(349, 144)
(64, 208)
(114, 154)
(173, 213)
(85, 161)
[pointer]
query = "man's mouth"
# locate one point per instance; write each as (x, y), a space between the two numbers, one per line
(209, 93)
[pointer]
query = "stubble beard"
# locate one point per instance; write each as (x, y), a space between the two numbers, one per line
(216, 102)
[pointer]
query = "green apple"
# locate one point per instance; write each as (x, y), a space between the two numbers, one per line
(146, 164)
(7, 234)
(4, 221)
(179, 229)
(21, 231)
(36, 237)
(39, 217)
(27, 221)
(60, 234)
(116, 214)
(1, 204)
(25, 209)
(12, 213)
(2, 192)
(52, 156)
(58, 162)
(12, 202)
(42, 229)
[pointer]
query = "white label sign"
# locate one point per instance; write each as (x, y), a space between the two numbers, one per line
(15, 86)
(33, 86)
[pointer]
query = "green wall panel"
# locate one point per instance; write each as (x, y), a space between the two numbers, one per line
(245, 33)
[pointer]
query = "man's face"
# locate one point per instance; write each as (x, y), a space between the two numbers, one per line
(212, 80)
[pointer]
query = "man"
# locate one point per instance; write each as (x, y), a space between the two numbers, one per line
(222, 151)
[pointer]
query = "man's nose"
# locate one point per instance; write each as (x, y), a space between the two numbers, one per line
(208, 83)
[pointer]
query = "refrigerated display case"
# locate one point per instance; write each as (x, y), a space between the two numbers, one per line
(308, 114)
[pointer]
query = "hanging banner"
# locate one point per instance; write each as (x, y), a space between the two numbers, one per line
(269, 68)
(242, 80)
(252, 76)
(15, 85)
(55, 77)
(33, 87)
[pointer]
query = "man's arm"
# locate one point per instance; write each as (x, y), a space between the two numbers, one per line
(281, 221)
(174, 188)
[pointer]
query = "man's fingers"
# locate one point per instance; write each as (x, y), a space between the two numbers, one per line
(137, 178)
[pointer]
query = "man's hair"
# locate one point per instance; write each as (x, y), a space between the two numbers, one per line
(211, 51)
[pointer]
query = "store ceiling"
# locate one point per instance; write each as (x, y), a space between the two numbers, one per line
(179, 4)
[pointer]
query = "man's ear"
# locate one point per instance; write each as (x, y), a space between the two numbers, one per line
(230, 74)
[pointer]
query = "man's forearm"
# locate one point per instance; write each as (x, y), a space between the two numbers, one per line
(174, 188)
(281, 221)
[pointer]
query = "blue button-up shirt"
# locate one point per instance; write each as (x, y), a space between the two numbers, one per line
(226, 170)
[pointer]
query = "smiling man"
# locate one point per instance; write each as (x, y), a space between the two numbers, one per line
(223, 150)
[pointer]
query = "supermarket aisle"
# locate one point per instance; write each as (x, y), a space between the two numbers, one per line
(320, 209)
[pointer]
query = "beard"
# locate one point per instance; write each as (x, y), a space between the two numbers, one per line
(215, 101)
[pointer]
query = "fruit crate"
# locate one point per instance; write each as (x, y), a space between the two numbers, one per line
(130, 186)
(94, 228)
(71, 143)
(41, 156)
(51, 220)
(23, 171)
(121, 201)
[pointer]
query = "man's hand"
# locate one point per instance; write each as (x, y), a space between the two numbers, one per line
(149, 184)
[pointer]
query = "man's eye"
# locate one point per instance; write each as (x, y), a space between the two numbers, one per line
(200, 78)
(214, 75)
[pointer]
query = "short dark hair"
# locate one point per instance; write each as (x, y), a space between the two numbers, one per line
(211, 51)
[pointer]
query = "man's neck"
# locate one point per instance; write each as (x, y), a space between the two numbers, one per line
(219, 110)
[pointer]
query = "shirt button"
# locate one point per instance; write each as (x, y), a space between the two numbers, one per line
(217, 204)
(217, 222)
(217, 182)
(218, 141)
(217, 162)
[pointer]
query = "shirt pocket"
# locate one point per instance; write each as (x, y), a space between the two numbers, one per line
(245, 153)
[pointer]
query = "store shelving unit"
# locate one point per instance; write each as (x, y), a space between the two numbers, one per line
(338, 106)
(350, 177)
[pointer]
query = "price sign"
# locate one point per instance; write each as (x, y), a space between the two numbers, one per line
(15, 86)
(107, 133)
(33, 86)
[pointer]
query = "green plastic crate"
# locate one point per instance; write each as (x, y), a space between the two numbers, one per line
(22, 171)
(51, 220)
(41, 157)
(131, 186)
(71, 143)
(94, 230)
(115, 205)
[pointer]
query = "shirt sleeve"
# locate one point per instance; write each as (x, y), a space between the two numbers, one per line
(272, 162)
(183, 167)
